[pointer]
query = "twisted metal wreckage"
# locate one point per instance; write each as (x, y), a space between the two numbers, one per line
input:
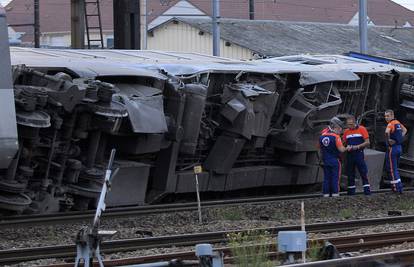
(249, 124)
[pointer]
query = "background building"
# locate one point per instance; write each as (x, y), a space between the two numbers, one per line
(189, 33)
(276, 38)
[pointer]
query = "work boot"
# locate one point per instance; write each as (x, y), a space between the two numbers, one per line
(351, 191)
(367, 190)
(399, 187)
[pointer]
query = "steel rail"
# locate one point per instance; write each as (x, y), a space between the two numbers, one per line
(73, 217)
(343, 244)
(373, 240)
(398, 258)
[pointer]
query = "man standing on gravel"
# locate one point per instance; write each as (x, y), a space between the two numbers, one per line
(356, 138)
(331, 148)
(394, 134)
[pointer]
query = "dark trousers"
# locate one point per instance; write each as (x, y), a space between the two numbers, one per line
(356, 160)
(332, 174)
(392, 161)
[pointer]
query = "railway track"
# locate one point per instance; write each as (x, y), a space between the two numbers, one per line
(73, 217)
(343, 244)
(394, 258)
(346, 243)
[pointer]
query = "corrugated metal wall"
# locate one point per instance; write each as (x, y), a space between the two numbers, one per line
(182, 37)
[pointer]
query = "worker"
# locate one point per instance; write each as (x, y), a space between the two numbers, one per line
(394, 134)
(356, 139)
(331, 148)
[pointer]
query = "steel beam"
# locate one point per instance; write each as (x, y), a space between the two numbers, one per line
(216, 27)
(363, 26)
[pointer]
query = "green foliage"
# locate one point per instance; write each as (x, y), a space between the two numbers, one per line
(250, 249)
(314, 249)
(278, 216)
(346, 213)
(231, 214)
(324, 213)
(405, 204)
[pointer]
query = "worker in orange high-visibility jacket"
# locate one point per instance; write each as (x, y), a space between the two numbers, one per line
(394, 134)
(356, 139)
(325, 130)
(331, 147)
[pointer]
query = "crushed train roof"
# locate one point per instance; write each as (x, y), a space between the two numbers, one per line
(149, 63)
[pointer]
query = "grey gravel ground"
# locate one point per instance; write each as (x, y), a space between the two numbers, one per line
(215, 219)
(365, 230)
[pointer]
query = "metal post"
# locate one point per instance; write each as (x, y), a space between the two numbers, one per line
(200, 219)
(36, 24)
(302, 226)
(363, 26)
(77, 8)
(216, 27)
(145, 32)
(101, 203)
(198, 169)
(251, 9)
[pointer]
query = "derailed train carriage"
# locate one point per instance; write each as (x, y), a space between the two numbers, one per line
(249, 124)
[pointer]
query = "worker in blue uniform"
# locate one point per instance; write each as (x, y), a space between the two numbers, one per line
(394, 134)
(331, 147)
(356, 139)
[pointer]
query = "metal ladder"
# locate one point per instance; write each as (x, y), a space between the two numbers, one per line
(89, 6)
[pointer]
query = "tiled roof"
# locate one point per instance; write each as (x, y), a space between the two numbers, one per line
(278, 38)
(55, 14)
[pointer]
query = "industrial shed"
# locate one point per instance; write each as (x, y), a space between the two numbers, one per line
(247, 39)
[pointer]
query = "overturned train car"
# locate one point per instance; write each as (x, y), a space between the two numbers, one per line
(248, 124)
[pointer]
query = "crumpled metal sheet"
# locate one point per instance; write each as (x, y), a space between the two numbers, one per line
(252, 90)
(314, 77)
(247, 109)
(136, 90)
(145, 109)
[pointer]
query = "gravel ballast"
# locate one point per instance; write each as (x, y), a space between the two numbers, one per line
(229, 218)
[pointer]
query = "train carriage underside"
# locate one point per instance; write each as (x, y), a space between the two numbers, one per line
(249, 125)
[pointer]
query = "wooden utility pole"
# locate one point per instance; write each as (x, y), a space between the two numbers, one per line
(251, 9)
(77, 25)
(127, 24)
(36, 24)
